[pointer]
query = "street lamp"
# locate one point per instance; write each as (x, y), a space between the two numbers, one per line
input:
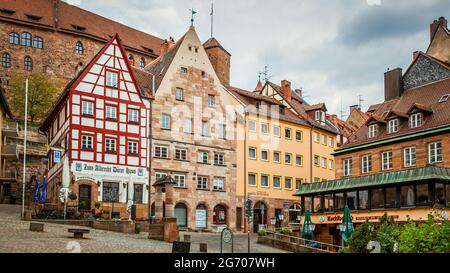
(150, 150)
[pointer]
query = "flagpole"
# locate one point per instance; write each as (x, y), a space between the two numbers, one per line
(25, 148)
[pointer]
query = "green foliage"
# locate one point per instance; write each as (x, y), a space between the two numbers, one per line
(97, 205)
(286, 231)
(137, 228)
(83, 205)
(41, 95)
(387, 234)
(360, 238)
(72, 196)
(262, 233)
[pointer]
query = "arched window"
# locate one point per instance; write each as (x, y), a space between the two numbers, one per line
(220, 215)
(6, 60)
(26, 39)
(79, 49)
(38, 42)
(181, 214)
(294, 213)
(142, 63)
(28, 63)
(14, 38)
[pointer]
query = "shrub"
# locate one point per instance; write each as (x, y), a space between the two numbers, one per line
(72, 196)
(361, 238)
(286, 231)
(97, 205)
(137, 228)
(262, 233)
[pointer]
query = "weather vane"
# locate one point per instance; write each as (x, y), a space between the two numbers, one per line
(192, 16)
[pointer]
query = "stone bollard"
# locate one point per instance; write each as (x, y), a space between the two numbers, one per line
(187, 238)
(203, 248)
(27, 216)
(36, 227)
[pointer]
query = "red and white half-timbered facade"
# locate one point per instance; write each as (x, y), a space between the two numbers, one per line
(101, 123)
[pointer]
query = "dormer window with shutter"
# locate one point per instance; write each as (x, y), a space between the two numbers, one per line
(416, 120)
(320, 116)
(393, 126)
(373, 130)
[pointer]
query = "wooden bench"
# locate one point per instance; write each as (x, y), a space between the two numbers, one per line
(78, 233)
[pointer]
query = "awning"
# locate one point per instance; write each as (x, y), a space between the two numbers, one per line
(398, 177)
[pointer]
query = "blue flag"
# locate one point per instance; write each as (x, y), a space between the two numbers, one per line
(36, 191)
(44, 190)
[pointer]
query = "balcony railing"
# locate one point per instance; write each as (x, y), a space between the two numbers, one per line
(10, 128)
(8, 175)
(10, 151)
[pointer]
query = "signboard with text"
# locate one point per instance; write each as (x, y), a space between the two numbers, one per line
(95, 170)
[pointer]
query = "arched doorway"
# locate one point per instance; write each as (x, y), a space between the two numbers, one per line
(220, 215)
(84, 198)
(181, 214)
(259, 216)
(200, 217)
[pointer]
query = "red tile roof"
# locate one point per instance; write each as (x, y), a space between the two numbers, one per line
(212, 42)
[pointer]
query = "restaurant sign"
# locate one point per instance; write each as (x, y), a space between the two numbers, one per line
(82, 168)
(339, 218)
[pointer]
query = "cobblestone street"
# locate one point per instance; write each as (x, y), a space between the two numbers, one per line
(15, 237)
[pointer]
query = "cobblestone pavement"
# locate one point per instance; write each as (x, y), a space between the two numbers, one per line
(15, 237)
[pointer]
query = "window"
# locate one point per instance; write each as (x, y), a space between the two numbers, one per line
(277, 131)
(211, 101)
(252, 153)
(391, 198)
(295, 213)
(87, 142)
(287, 133)
(316, 137)
(14, 38)
(410, 157)
(187, 126)
(416, 120)
(265, 155)
(142, 63)
(162, 151)
(133, 116)
(299, 135)
(28, 63)
(378, 199)
(138, 193)
(440, 195)
(110, 144)
(277, 157)
(328, 204)
(317, 204)
(265, 181)
(252, 126)
(79, 49)
(203, 157)
(331, 164)
(373, 130)
(6, 60)
(317, 161)
(435, 152)
(351, 200)
(181, 154)
(180, 180)
(38, 42)
(288, 183)
(288, 159)
(26, 39)
(252, 179)
(219, 159)
(407, 197)
(298, 183)
(222, 131)
(324, 140)
(205, 129)
(179, 93)
(110, 192)
(299, 160)
(112, 79)
(165, 121)
(111, 112)
(423, 196)
(366, 164)
(339, 201)
(363, 200)
(386, 161)
(160, 176)
(393, 126)
(184, 70)
(307, 204)
(444, 98)
(324, 162)
(320, 116)
(277, 182)
(87, 108)
(265, 128)
(202, 183)
(132, 148)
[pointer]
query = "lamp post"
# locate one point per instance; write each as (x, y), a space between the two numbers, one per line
(150, 149)
(25, 148)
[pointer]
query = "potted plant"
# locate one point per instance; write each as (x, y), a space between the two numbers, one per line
(72, 196)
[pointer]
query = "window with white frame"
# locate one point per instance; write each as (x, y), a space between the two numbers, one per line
(203, 157)
(288, 133)
(324, 140)
(211, 101)
(373, 130)
(87, 108)
(252, 153)
(386, 161)
(161, 151)
(222, 131)
(265, 181)
(181, 154)
(277, 131)
(111, 112)
(366, 164)
(205, 129)
(202, 182)
(180, 179)
(133, 147)
(264, 128)
(316, 137)
(219, 159)
(320, 116)
(160, 176)
(348, 168)
(324, 162)
(299, 135)
(277, 157)
(265, 155)
(288, 183)
(252, 126)
(179, 93)
(416, 120)
(187, 126)
(331, 142)
(277, 182)
(331, 164)
(87, 142)
(110, 144)
(317, 161)
(112, 79)
(393, 126)
(435, 152)
(288, 159)
(299, 160)
(252, 179)
(218, 184)
(165, 121)
(133, 116)
(409, 156)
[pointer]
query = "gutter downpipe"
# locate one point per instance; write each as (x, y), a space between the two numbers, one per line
(150, 137)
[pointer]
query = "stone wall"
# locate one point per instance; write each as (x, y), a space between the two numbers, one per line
(424, 71)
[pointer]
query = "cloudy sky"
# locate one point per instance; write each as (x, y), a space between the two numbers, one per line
(333, 50)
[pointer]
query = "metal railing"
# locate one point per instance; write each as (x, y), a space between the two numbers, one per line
(308, 244)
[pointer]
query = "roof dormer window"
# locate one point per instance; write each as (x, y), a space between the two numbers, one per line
(320, 116)
(79, 28)
(7, 11)
(373, 130)
(34, 17)
(393, 126)
(416, 120)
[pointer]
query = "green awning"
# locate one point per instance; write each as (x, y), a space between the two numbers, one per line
(398, 177)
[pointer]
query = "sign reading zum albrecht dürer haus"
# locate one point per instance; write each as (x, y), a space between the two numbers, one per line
(95, 170)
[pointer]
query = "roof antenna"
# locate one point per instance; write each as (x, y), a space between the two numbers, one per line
(212, 19)
(361, 100)
(265, 73)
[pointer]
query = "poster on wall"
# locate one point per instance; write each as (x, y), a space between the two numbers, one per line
(200, 217)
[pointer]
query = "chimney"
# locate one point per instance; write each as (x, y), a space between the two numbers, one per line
(286, 89)
(299, 92)
(435, 25)
(393, 84)
(415, 55)
(164, 47)
(353, 107)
